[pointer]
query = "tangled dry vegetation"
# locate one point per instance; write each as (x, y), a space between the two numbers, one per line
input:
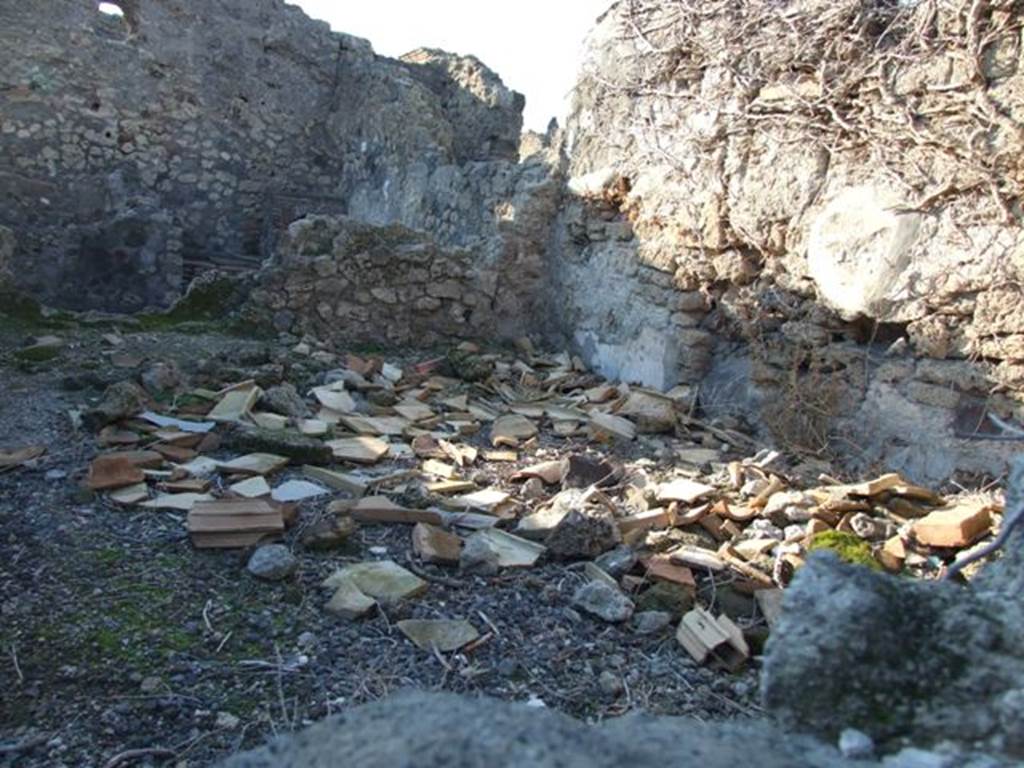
(918, 87)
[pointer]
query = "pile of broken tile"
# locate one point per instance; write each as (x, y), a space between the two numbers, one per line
(500, 461)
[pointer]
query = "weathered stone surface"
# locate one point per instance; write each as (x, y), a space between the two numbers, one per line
(478, 556)
(485, 116)
(273, 562)
(617, 562)
(120, 400)
(161, 378)
(603, 601)
(6, 256)
(384, 581)
(584, 533)
(349, 602)
(295, 446)
(651, 622)
(444, 634)
(665, 597)
(330, 533)
(377, 276)
(443, 731)
(842, 243)
(284, 399)
(841, 655)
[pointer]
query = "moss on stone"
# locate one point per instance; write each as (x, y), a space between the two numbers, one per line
(284, 442)
(377, 239)
(37, 354)
(849, 548)
(22, 310)
(664, 596)
(206, 302)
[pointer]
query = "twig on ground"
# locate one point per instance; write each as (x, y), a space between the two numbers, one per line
(442, 580)
(1011, 520)
(440, 658)
(224, 642)
(17, 666)
(487, 620)
(130, 755)
(206, 617)
(25, 744)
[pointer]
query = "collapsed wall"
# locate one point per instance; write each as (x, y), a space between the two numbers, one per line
(138, 151)
(810, 211)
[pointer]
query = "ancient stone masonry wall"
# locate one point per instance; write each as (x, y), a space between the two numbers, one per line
(822, 236)
(345, 281)
(137, 151)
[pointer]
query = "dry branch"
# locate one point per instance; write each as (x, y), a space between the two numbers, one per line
(906, 85)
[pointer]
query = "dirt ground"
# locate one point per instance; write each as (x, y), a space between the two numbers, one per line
(116, 634)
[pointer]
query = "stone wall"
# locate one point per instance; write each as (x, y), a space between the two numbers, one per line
(136, 151)
(828, 248)
(762, 221)
(342, 280)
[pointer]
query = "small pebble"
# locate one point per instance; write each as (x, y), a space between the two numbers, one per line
(272, 562)
(150, 685)
(227, 721)
(611, 684)
(856, 745)
(651, 622)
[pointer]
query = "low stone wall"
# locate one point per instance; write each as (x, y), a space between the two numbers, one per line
(348, 282)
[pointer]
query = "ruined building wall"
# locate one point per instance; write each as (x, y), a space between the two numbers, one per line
(345, 281)
(137, 151)
(810, 218)
(810, 212)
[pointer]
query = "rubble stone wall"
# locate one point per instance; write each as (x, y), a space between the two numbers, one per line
(342, 280)
(831, 247)
(136, 151)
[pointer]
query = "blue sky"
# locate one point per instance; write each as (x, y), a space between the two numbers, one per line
(534, 45)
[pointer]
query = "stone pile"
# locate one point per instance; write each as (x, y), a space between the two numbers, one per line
(503, 460)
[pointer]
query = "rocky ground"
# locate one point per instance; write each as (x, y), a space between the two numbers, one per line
(118, 635)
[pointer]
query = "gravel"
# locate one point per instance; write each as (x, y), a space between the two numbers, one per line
(95, 599)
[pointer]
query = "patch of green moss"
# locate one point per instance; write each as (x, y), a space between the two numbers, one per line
(21, 310)
(172, 560)
(18, 306)
(370, 239)
(205, 303)
(42, 354)
(249, 325)
(367, 348)
(109, 556)
(849, 548)
(138, 624)
(107, 641)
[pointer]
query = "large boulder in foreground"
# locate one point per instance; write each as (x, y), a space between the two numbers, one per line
(447, 731)
(894, 657)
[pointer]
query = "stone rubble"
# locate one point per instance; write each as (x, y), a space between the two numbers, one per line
(407, 444)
